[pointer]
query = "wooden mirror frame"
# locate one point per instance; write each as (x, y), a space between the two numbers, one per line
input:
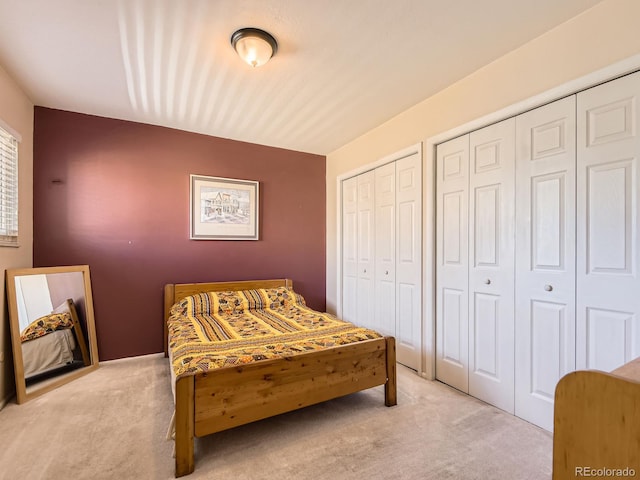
(24, 393)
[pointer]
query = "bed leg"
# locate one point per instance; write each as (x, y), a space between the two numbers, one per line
(184, 425)
(169, 300)
(390, 388)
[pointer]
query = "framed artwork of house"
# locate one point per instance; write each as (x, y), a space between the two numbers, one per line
(223, 208)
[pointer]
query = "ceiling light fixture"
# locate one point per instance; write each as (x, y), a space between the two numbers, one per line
(254, 46)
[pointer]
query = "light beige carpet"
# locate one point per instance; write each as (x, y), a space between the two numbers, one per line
(111, 424)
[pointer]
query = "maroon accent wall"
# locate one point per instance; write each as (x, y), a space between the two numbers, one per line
(115, 195)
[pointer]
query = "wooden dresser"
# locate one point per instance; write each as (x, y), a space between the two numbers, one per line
(597, 424)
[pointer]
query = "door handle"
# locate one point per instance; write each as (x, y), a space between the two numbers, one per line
(548, 288)
(487, 281)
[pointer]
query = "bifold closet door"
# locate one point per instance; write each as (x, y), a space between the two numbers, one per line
(365, 294)
(545, 257)
(385, 250)
(382, 253)
(350, 249)
(608, 263)
(573, 299)
(491, 264)
(408, 271)
(452, 263)
(357, 249)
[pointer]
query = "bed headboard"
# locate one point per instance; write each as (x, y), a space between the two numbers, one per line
(177, 291)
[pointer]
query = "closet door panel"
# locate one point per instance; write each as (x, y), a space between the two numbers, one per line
(486, 331)
(487, 225)
(610, 206)
(491, 264)
(385, 248)
(608, 302)
(545, 257)
(453, 345)
(547, 356)
(452, 263)
(366, 234)
(408, 293)
(610, 338)
(349, 249)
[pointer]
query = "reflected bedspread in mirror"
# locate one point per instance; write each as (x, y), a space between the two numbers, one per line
(52, 327)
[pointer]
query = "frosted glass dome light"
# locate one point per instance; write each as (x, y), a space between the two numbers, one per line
(254, 46)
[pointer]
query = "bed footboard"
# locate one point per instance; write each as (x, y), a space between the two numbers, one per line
(221, 399)
(229, 397)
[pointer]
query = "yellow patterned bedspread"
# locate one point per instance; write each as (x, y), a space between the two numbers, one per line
(46, 324)
(219, 329)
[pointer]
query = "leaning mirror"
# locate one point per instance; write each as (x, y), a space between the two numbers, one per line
(53, 331)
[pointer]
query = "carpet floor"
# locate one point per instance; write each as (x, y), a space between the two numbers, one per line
(111, 424)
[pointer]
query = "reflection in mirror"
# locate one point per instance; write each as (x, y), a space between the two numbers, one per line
(52, 327)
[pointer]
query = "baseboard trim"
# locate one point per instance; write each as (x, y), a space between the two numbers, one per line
(136, 357)
(4, 401)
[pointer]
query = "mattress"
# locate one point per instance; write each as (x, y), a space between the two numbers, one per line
(220, 329)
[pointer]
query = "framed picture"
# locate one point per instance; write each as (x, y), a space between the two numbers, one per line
(223, 208)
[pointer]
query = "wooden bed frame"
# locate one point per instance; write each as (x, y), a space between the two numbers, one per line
(210, 402)
(77, 329)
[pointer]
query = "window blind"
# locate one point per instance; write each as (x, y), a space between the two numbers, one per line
(8, 188)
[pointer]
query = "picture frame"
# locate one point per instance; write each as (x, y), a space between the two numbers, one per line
(223, 208)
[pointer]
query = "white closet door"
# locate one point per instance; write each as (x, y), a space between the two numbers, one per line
(545, 257)
(365, 315)
(491, 264)
(409, 260)
(385, 248)
(452, 263)
(349, 249)
(608, 263)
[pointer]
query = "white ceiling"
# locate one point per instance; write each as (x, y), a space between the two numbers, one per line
(342, 67)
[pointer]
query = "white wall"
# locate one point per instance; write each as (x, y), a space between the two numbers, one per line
(599, 37)
(16, 112)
